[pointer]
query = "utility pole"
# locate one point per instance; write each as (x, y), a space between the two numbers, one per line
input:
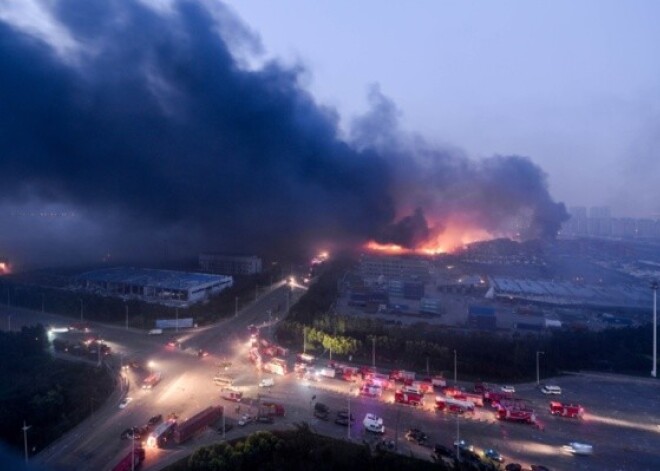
(373, 352)
(224, 425)
(538, 377)
(458, 439)
(654, 287)
(236, 307)
(81, 310)
(25, 429)
(455, 369)
(43, 302)
(126, 306)
(256, 292)
(427, 367)
(348, 428)
(176, 311)
(133, 451)
(9, 322)
(304, 340)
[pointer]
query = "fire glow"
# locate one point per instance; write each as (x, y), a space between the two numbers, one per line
(4, 268)
(452, 238)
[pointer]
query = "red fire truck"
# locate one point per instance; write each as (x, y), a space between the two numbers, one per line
(371, 390)
(476, 399)
(515, 411)
(408, 398)
(450, 404)
(573, 411)
(276, 366)
(402, 375)
(378, 379)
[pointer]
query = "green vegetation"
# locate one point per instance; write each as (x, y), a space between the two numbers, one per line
(50, 395)
(299, 449)
(481, 355)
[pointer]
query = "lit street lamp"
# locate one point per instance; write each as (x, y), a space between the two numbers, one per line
(538, 377)
(654, 287)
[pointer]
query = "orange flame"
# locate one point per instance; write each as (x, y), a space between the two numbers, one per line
(4, 268)
(452, 238)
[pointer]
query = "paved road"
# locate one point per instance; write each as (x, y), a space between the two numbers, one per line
(622, 417)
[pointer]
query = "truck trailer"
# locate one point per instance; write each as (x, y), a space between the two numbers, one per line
(515, 411)
(409, 398)
(450, 404)
(196, 423)
(161, 434)
(573, 411)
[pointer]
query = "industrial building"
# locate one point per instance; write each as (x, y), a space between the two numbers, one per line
(394, 268)
(227, 264)
(167, 287)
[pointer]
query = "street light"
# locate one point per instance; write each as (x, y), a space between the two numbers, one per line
(236, 307)
(538, 377)
(25, 429)
(176, 311)
(348, 428)
(81, 310)
(126, 306)
(455, 369)
(654, 287)
(373, 352)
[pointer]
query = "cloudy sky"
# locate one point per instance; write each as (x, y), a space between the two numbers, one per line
(148, 127)
(573, 85)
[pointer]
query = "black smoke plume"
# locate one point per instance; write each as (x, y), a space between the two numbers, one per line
(158, 136)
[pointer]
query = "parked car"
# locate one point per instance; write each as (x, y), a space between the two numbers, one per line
(441, 450)
(124, 402)
(539, 467)
(267, 383)
(321, 411)
(343, 418)
(245, 419)
(265, 419)
(508, 389)
(579, 448)
(550, 389)
(463, 445)
(416, 436)
(228, 427)
(513, 467)
(374, 424)
(493, 455)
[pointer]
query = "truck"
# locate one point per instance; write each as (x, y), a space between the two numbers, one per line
(371, 390)
(515, 411)
(408, 398)
(155, 332)
(161, 434)
(232, 395)
(424, 387)
(272, 409)
(476, 399)
(196, 423)
(378, 379)
(327, 372)
(132, 460)
(450, 404)
(438, 382)
(152, 380)
(402, 375)
(276, 366)
(573, 411)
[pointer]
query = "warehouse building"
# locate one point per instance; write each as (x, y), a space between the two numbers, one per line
(167, 287)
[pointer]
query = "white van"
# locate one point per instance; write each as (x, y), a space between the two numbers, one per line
(155, 332)
(374, 424)
(550, 389)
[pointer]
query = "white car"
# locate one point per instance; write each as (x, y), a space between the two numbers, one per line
(267, 383)
(550, 389)
(373, 423)
(245, 419)
(578, 448)
(124, 402)
(508, 389)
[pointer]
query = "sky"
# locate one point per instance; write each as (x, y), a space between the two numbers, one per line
(573, 85)
(142, 128)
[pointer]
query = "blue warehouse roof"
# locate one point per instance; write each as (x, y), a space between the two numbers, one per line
(164, 279)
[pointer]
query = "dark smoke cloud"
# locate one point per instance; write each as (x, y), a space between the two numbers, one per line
(157, 135)
(504, 195)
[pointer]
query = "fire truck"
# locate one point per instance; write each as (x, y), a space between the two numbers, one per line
(409, 398)
(271, 409)
(450, 404)
(476, 399)
(573, 411)
(161, 434)
(426, 387)
(371, 390)
(152, 380)
(402, 375)
(276, 366)
(378, 379)
(515, 411)
(232, 395)
(131, 461)
(451, 391)
(495, 397)
(438, 382)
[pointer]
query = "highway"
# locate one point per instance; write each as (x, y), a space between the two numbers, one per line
(624, 432)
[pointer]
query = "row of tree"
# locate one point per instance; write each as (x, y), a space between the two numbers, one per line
(490, 356)
(51, 395)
